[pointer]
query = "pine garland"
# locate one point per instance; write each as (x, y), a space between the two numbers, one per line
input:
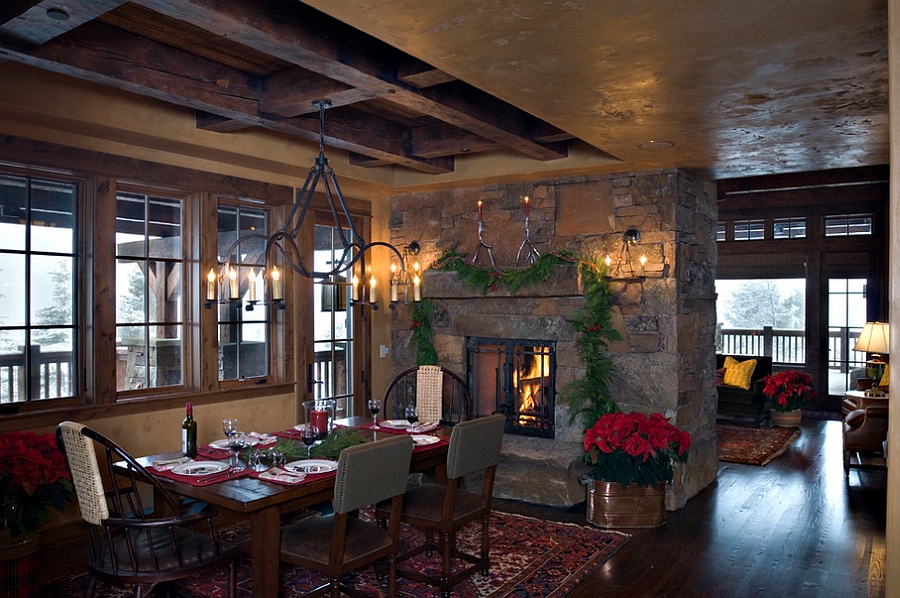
(588, 397)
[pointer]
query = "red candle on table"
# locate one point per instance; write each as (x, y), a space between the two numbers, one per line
(526, 206)
(479, 210)
(319, 419)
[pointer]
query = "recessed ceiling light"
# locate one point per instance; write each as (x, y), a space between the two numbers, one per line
(656, 145)
(57, 14)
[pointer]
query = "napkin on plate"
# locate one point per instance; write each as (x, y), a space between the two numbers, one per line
(425, 427)
(168, 464)
(276, 474)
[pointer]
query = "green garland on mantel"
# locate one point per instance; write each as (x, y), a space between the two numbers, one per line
(587, 397)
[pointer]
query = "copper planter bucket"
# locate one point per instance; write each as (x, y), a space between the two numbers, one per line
(610, 506)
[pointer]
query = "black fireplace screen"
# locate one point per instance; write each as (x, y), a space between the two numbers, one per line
(516, 377)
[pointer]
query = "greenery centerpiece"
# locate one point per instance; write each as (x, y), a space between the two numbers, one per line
(34, 479)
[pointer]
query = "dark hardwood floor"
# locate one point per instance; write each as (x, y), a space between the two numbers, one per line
(794, 528)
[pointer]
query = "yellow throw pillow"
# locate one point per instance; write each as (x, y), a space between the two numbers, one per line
(738, 373)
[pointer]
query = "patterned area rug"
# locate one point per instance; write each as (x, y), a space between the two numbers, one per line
(529, 557)
(753, 446)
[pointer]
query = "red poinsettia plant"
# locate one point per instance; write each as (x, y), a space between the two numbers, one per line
(33, 479)
(788, 390)
(634, 448)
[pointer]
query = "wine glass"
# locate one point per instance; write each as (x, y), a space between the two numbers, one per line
(236, 442)
(230, 427)
(375, 407)
(308, 435)
(412, 414)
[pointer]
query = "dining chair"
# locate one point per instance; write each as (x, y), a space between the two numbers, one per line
(422, 385)
(129, 542)
(342, 542)
(445, 508)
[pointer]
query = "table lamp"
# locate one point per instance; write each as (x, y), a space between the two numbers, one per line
(875, 338)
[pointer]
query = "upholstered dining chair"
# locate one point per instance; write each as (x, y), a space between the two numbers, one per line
(129, 543)
(445, 508)
(440, 394)
(339, 543)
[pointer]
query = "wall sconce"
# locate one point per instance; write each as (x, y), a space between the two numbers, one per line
(410, 274)
(625, 270)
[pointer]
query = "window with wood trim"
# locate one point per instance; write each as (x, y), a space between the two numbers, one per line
(38, 298)
(848, 225)
(243, 317)
(149, 277)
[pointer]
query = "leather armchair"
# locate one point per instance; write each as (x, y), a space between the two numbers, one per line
(865, 431)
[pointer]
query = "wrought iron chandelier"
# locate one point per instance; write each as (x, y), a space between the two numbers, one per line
(283, 242)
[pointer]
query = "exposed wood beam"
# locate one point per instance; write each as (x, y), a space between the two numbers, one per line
(38, 22)
(291, 92)
(421, 75)
(141, 66)
(260, 25)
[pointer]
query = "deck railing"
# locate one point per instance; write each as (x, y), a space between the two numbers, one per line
(789, 346)
(51, 375)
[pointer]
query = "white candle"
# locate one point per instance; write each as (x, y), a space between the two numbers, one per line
(608, 262)
(372, 297)
(355, 286)
(232, 277)
(394, 283)
(251, 284)
(277, 291)
(643, 263)
(417, 288)
(211, 285)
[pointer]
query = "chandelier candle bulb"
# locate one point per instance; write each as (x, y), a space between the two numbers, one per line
(232, 277)
(277, 291)
(643, 263)
(211, 285)
(372, 298)
(394, 283)
(355, 288)
(526, 206)
(251, 285)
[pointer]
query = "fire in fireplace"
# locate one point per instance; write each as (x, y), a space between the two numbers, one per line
(516, 377)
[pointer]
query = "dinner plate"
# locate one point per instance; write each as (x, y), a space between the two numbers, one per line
(423, 440)
(199, 468)
(223, 444)
(311, 466)
(394, 423)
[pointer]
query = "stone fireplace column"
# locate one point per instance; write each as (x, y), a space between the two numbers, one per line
(666, 360)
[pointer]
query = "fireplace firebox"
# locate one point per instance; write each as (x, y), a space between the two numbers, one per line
(516, 377)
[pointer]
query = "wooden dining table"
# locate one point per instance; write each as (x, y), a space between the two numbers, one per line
(264, 502)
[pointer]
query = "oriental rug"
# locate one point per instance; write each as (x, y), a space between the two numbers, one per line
(753, 446)
(529, 557)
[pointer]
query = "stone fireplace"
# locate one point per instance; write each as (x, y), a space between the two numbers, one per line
(516, 377)
(665, 361)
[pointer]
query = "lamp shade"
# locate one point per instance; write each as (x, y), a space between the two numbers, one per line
(874, 338)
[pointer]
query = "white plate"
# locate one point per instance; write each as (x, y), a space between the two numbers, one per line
(423, 440)
(200, 468)
(311, 466)
(394, 423)
(223, 444)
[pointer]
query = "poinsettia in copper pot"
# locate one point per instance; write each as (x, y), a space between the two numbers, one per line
(34, 478)
(635, 448)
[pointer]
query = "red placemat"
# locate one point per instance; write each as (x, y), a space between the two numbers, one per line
(222, 476)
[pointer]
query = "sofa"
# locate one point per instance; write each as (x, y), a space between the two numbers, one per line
(737, 402)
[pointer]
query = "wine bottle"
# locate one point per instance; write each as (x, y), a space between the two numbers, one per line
(189, 433)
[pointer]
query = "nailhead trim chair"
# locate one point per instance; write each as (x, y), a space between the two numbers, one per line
(128, 543)
(339, 543)
(445, 508)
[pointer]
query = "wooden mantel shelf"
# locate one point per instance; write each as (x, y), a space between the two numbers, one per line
(564, 282)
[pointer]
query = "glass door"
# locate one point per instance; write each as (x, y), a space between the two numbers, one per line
(846, 317)
(333, 327)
